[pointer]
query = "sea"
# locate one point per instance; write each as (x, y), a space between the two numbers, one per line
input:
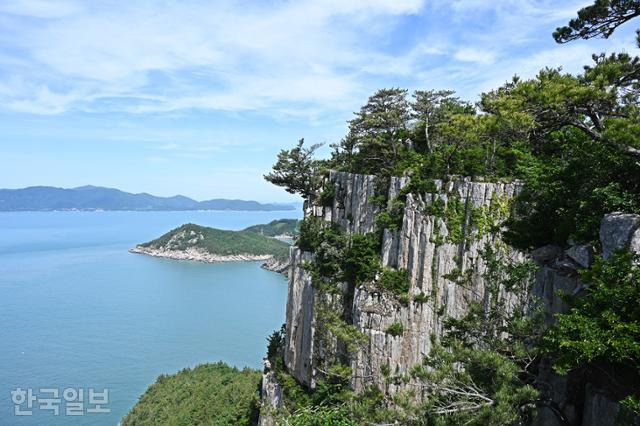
(86, 326)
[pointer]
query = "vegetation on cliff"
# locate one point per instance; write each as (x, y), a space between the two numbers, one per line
(573, 141)
(215, 394)
(219, 242)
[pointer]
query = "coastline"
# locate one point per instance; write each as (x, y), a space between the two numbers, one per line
(270, 262)
(197, 255)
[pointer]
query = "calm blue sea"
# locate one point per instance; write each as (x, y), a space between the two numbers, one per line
(77, 311)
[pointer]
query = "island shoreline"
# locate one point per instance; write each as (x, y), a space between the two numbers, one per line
(270, 262)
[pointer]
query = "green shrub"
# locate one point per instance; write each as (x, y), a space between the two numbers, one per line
(310, 233)
(318, 416)
(395, 329)
(603, 324)
(421, 298)
(275, 344)
(436, 208)
(328, 194)
(394, 280)
(361, 259)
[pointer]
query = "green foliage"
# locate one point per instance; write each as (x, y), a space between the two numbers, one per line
(347, 334)
(327, 195)
(632, 403)
(475, 387)
(598, 20)
(419, 184)
(436, 208)
(317, 416)
(584, 140)
(295, 395)
(361, 259)
(289, 227)
(455, 217)
(296, 170)
(207, 394)
(569, 187)
(392, 217)
(603, 325)
(395, 329)
(333, 387)
(220, 242)
(421, 298)
(276, 344)
(394, 280)
(310, 236)
(376, 135)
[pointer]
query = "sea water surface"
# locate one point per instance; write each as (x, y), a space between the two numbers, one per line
(77, 311)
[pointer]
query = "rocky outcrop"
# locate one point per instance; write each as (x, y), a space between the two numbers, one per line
(434, 257)
(300, 328)
(352, 207)
(277, 265)
(271, 394)
(580, 401)
(441, 238)
(620, 231)
(601, 410)
(426, 245)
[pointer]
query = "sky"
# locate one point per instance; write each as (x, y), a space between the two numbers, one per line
(197, 97)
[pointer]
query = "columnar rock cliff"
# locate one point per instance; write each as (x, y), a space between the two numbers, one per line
(434, 247)
(425, 246)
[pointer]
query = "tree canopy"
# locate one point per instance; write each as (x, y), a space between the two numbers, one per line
(600, 19)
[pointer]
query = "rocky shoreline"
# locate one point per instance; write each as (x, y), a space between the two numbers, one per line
(276, 265)
(271, 263)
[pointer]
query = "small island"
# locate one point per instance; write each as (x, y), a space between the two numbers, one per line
(204, 244)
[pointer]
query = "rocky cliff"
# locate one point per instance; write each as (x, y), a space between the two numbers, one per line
(443, 233)
(425, 246)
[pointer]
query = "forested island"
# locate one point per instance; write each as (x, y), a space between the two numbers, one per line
(205, 244)
(468, 264)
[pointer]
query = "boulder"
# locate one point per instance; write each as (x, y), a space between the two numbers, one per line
(546, 254)
(618, 231)
(581, 254)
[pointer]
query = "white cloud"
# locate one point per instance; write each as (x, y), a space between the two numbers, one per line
(147, 57)
(468, 54)
(305, 59)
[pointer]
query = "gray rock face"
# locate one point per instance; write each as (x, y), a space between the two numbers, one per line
(581, 254)
(425, 247)
(560, 274)
(619, 231)
(271, 393)
(298, 348)
(600, 410)
(433, 248)
(546, 254)
(352, 206)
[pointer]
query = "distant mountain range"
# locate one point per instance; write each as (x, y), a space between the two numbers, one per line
(46, 198)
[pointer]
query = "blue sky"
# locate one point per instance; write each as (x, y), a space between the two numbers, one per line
(197, 97)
